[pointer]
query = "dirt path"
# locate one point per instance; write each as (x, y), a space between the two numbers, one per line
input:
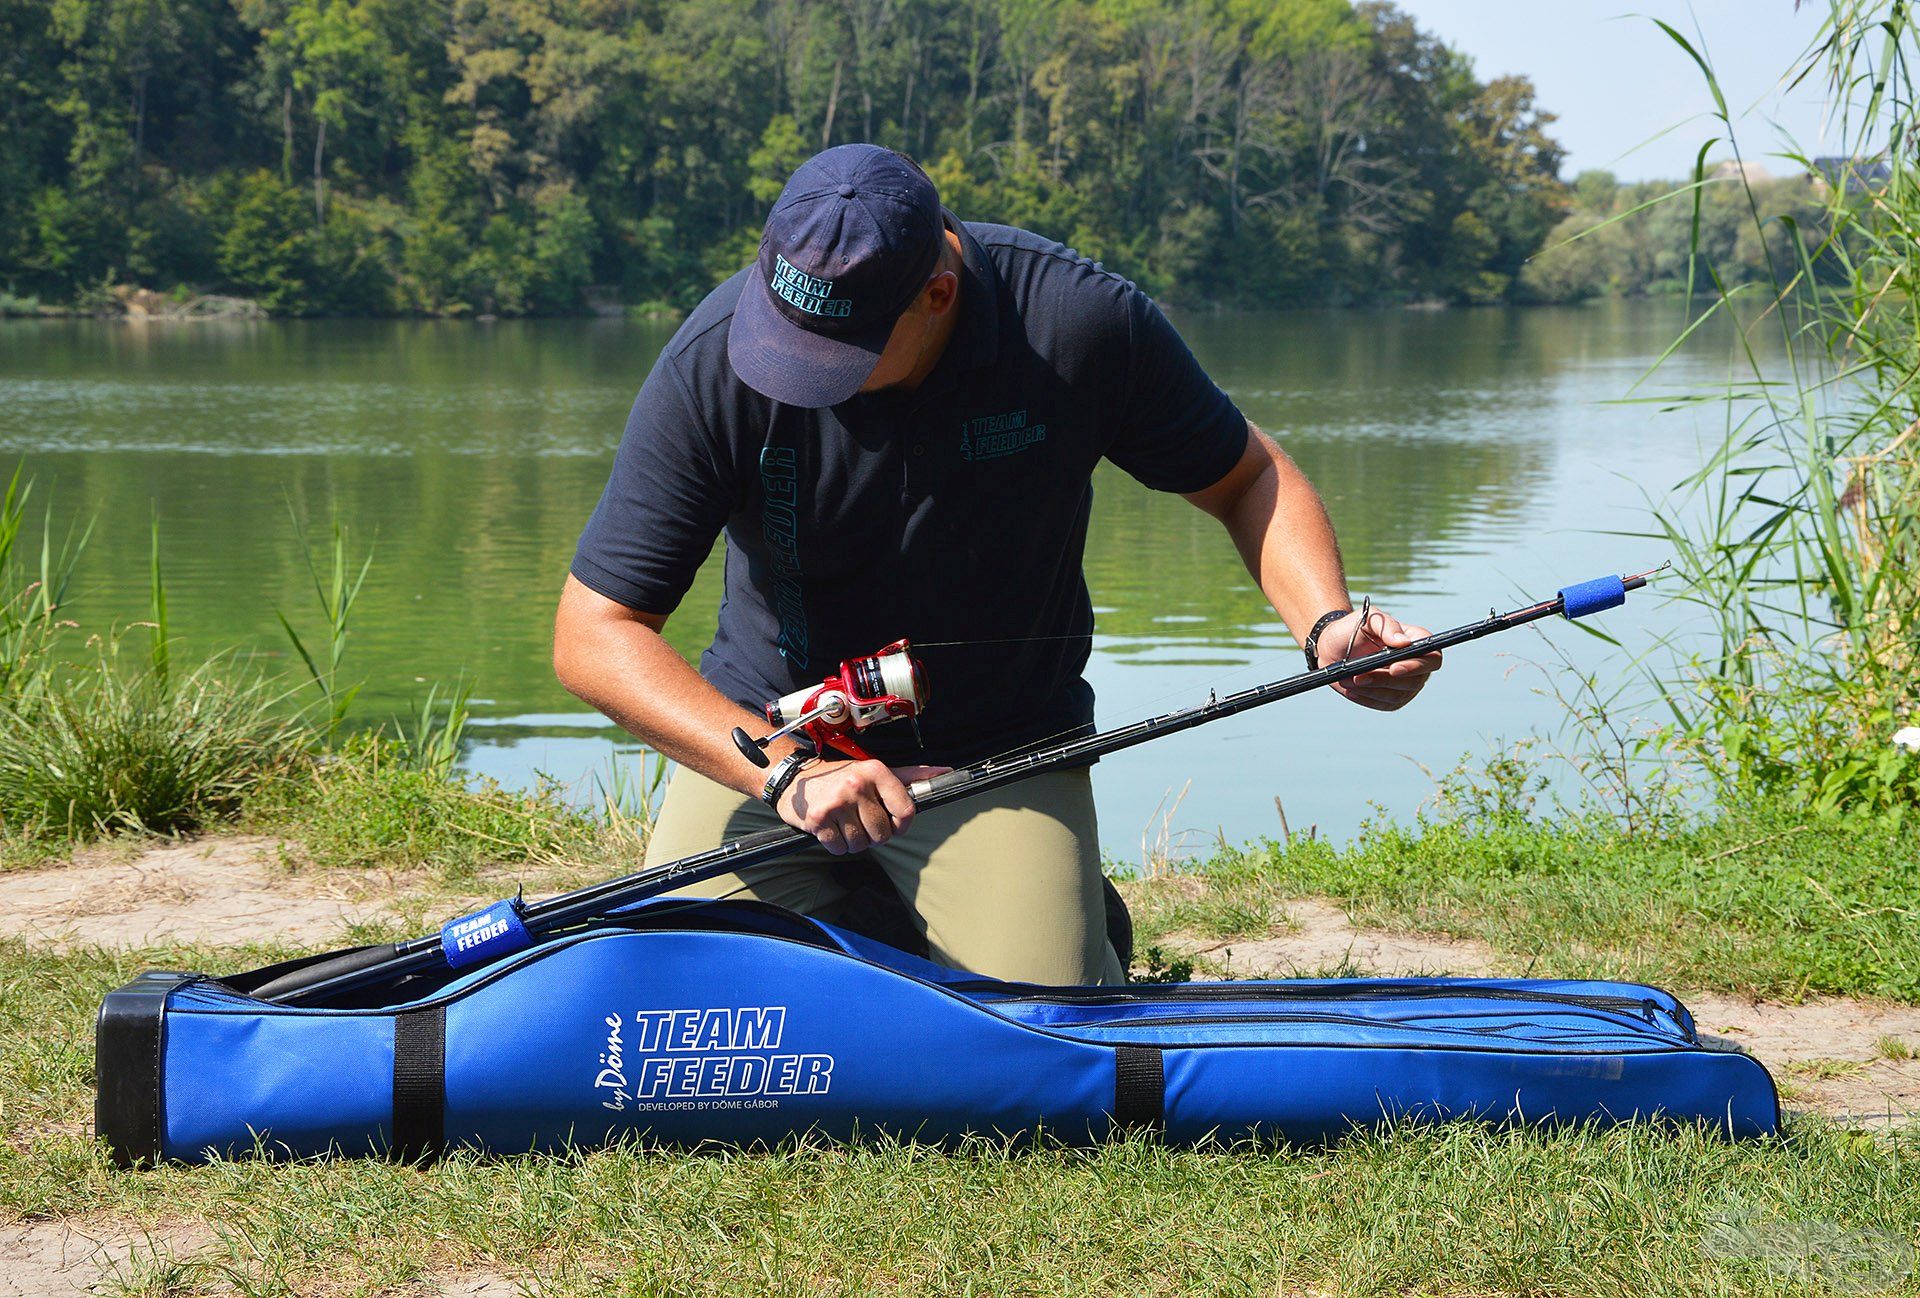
(225, 890)
(64, 1259)
(61, 1259)
(1322, 938)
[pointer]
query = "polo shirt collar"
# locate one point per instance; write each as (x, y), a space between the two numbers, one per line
(976, 337)
(976, 334)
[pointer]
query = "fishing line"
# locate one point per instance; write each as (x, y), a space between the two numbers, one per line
(1012, 639)
(1108, 708)
(514, 924)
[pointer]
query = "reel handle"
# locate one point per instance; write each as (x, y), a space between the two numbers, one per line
(755, 750)
(750, 748)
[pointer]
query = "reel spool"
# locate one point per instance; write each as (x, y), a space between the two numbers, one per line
(884, 686)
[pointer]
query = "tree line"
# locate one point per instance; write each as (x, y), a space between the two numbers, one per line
(1663, 237)
(524, 156)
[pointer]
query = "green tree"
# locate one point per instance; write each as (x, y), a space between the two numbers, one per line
(266, 251)
(504, 155)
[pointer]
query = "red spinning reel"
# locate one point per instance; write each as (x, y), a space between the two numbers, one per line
(870, 691)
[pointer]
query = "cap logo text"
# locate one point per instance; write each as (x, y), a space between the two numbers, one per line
(806, 292)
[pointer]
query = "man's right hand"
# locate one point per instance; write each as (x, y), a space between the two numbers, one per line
(850, 806)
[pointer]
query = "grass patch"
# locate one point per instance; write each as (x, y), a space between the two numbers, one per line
(1453, 1210)
(1760, 900)
(98, 750)
(361, 808)
(1826, 1070)
(1450, 1211)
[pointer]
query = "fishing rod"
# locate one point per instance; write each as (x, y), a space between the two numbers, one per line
(513, 924)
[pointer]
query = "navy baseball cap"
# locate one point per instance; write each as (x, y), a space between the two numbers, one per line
(852, 240)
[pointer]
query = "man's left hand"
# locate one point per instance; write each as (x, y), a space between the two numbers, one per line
(1385, 688)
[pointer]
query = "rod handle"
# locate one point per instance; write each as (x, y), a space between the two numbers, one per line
(354, 961)
(935, 785)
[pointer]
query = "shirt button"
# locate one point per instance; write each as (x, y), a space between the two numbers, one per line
(919, 448)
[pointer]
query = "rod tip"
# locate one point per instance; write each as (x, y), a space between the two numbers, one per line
(1639, 579)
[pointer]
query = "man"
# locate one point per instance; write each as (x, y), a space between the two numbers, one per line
(894, 416)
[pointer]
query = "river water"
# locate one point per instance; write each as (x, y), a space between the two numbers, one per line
(1469, 459)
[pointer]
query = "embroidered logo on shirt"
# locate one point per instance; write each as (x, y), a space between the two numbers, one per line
(991, 436)
(780, 525)
(806, 292)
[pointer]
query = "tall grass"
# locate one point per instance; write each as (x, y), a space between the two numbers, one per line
(1800, 536)
(107, 741)
(108, 747)
(116, 734)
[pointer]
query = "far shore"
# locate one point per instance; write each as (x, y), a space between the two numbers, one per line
(660, 313)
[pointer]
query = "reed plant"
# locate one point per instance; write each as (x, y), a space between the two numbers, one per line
(336, 593)
(1800, 536)
(628, 797)
(429, 739)
(33, 588)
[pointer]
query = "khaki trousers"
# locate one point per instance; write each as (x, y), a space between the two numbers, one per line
(1005, 884)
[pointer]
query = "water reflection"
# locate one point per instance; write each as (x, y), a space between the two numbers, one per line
(1465, 457)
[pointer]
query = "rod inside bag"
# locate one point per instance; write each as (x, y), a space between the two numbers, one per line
(513, 924)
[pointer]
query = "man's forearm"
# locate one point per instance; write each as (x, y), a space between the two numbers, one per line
(626, 669)
(1282, 531)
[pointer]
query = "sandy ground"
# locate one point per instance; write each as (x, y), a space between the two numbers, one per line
(61, 1259)
(224, 890)
(1321, 937)
(52, 1259)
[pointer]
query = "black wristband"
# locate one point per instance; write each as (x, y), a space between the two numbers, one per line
(784, 773)
(1312, 645)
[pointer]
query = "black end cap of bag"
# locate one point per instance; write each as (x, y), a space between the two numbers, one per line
(129, 1038)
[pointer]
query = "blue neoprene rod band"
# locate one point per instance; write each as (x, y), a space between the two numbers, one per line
(1592, 596)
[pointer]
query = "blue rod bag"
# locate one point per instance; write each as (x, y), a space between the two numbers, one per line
(738, 1022)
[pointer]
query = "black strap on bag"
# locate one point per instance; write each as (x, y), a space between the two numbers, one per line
(420, 1084)
(1139, 1088)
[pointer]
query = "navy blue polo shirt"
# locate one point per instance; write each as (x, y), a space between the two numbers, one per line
(957, 512)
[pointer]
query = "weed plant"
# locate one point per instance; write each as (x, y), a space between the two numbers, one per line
(336, 593)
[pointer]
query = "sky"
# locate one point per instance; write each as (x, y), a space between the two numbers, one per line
(1617, 82)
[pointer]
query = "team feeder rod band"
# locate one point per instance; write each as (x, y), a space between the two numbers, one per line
(526, 922)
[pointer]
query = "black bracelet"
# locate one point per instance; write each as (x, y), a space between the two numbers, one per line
(784, 773)
(1312, 645)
